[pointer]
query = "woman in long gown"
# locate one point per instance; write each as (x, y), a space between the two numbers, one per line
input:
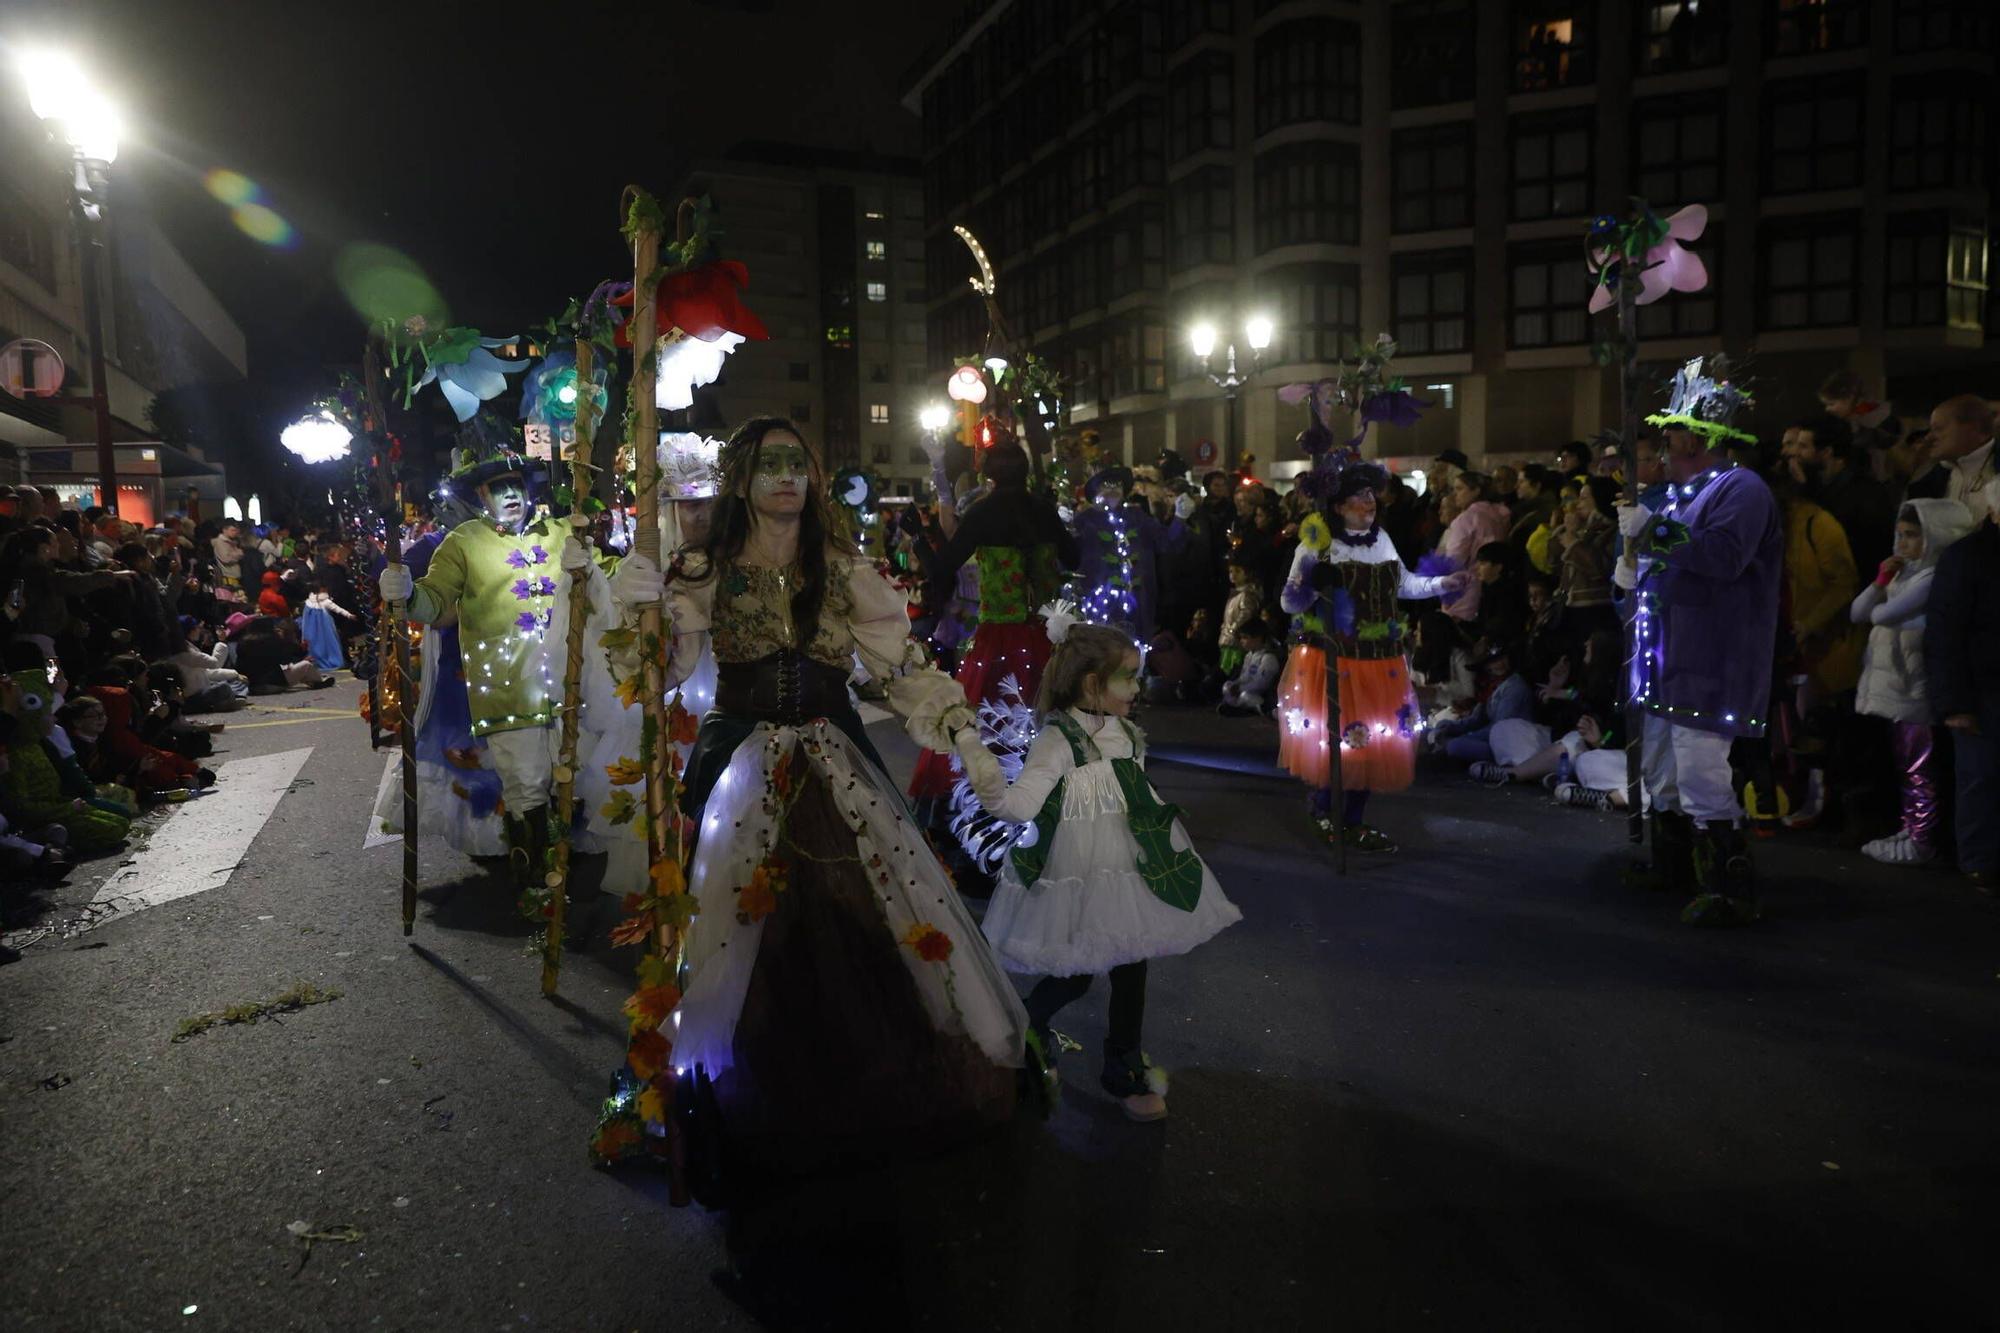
(838, 997)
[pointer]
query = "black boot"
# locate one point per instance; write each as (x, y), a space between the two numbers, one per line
(1130, 1077)
(527, 853)
(1725, 879)
(1671, 867)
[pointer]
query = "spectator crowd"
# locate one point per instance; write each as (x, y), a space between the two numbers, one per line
(120, 644)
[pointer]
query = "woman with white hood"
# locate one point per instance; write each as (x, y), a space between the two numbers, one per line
(1892, 673)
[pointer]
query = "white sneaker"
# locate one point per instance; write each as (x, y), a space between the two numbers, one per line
(1899, 849)
(1590, 798)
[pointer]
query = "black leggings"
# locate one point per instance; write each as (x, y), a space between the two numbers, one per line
(1128, 1003)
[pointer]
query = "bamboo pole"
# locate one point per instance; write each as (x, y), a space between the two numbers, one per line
(394, 646)
(579, 615)
(1338, 810)
(644, 432)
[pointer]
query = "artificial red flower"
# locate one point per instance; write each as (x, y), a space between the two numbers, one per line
(702, 302)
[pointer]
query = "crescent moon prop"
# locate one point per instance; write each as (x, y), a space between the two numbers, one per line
(983, 284)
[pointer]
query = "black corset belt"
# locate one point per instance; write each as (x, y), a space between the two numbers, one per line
(786, 687)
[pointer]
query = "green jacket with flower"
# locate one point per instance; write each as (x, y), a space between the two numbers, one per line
(503, 586)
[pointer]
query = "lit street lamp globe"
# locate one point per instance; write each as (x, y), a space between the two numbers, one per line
(934, 417)
(59, 92)
(1258, 332)
(317, 439)
(1201, 339)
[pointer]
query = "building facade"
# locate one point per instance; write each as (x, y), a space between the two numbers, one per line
(162, 328)
(1429, 168)
(834, 245)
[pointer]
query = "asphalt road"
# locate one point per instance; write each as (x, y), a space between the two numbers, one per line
(1476, 1085)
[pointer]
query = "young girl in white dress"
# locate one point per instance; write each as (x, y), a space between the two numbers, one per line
(1107, 878)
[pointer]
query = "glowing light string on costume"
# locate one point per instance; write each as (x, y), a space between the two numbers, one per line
(1113, 600)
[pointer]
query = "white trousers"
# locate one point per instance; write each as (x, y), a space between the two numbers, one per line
(525, 759)
(1688, 770)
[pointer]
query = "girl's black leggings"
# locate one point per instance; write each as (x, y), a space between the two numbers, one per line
(1128, 1002)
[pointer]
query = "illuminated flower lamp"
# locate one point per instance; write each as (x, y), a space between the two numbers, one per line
(317, 439)
(549, 392)
(967, 388)
(1655, 243)
(701, 320)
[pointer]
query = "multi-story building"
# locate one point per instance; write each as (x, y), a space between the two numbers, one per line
(162, 329)
(1429, 167)
(834, 245)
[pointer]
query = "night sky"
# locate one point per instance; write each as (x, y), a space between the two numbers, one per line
(487, 142)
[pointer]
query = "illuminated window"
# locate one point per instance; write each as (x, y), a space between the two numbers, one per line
(878, 291)
(878, 414)
(878, 249)
(1802, 26)
(1682, 34)
(1553, 45)
(873, 216)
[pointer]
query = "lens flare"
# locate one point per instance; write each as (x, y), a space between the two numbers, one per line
(385, 284)
(263, 225)
(230, 187)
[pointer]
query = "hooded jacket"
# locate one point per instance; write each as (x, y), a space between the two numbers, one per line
(1892, 672)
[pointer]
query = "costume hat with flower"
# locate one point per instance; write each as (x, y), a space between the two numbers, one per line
(689, 466)
(477, 468)
(1704, 400)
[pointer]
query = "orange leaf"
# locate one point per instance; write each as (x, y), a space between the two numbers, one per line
(647, 1053)
(668, 879)
(652, 1004)
(625, 772)
(632, 930)
(614, 1139)
(756, 900)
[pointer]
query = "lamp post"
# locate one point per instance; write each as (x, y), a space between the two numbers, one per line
(86, 120)
(1201, 338)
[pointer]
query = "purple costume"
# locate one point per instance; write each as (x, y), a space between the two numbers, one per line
(1099, 570)
(1708, 605)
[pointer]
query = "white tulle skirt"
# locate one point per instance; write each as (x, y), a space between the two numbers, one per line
(962, 990)
(1091, 909)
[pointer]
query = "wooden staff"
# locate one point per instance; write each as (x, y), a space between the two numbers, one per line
(1628, 457)
(662, 823)
(579, 615)
(1338, 812)
(394, 644)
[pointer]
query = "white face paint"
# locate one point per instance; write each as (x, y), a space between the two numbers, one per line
(778, 487)
(1110, 495)
(1115, 695)
(506, 500)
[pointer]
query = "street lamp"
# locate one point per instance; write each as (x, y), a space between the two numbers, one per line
(317, 439)
(85, 119)
(1202, 339)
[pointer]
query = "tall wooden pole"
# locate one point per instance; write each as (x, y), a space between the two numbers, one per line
(1338, 812)
(394, 645)
(1628, 450)
(561, 815)
(662, 821)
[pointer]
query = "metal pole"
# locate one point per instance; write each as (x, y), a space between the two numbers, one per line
(1628, 449)
(89, 236)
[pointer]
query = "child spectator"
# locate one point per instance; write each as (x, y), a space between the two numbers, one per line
(1246, 601)
(1892, 670)
(271, 598)
(33, 797)
(1587, 554)
(1250, 691)
(1503, 694)
(321, 634)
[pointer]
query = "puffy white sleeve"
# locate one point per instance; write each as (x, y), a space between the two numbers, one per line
(1048, 760)
(1419, 587)
(690, 609)
(881, 623)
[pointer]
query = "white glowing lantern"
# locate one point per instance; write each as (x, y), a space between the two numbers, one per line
(685, 364)
(254, 511)
(317, 439)
(966, 385)
(231, 510)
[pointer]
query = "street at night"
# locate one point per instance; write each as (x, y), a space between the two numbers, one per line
(1086, 665)
(1481, 1086)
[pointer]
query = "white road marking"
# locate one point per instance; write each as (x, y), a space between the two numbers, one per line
(374, 836)
(198, 849)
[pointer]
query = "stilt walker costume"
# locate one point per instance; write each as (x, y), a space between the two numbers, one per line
(1706, 571)
(838, 997)
(1021, 550)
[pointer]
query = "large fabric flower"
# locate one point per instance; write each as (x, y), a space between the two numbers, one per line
(1664, 266)
(701, 320)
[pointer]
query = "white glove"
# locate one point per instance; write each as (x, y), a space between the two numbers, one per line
(1625, 574)
(1632, 520)
(637, 581)
(574, 556)
(1184, 507)
(395, 583)
(930, 703)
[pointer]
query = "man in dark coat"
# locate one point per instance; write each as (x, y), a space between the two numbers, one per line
(1962, 676)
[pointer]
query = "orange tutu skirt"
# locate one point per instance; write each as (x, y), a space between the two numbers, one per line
(1378, 715)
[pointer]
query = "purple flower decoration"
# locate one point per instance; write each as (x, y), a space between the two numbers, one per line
(515, 560)
(527, 621)
(546, 588)
(1343, 611)
(522, 592)
(1395, 408)
(541, 556)
(1436, 565)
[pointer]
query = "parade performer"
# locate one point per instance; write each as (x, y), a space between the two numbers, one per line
(1706, 571)
(1119, 546)
(838, 996)
(1110, 879)
(1021, 550)
(321, 634)
(458, 789)
(1344, 584)
(498, 574)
